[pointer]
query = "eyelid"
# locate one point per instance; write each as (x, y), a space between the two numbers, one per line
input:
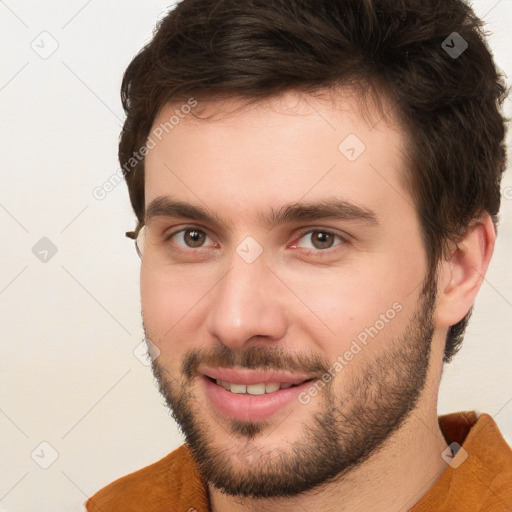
(311, 229)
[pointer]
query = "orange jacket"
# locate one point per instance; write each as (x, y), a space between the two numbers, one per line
(483, 482)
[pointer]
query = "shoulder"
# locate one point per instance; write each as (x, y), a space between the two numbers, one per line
(479, 477)
(173, 481)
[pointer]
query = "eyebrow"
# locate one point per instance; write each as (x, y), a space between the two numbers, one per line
(328, 208)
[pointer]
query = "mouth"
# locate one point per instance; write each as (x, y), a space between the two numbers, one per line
(250, 395)
(254, 389)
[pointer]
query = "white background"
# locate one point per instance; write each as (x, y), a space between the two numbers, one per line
(69, 326)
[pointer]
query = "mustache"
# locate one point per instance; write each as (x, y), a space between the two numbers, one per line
(254, 358)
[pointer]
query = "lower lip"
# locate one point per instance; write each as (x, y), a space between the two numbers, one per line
(245, 407)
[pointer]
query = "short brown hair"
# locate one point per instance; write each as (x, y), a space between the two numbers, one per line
(448, 105)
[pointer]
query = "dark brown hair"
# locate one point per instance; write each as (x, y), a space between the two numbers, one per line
(448, 104)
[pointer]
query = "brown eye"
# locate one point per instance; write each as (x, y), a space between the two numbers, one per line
(193, 237)
(188, 238)
(322, 240)
(319, 240)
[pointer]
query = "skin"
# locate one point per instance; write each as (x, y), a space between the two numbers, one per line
(304, 307)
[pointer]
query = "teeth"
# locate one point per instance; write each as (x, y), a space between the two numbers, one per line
(238, 388)
(253, 389)
(225, 384)
(270, 388)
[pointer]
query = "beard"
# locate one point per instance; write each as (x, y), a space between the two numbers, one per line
(351, 423)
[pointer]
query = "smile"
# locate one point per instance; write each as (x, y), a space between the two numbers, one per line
(254, 402)
(253, 389)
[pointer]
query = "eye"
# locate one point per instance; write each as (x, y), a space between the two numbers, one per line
(319, 239)
(314, 240)
(192, 238)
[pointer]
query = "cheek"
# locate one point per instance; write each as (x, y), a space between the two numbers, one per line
(162, 305)
(363, 304)
(161, 312)
(173, 308)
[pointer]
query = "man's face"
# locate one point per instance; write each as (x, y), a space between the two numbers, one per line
(270, 290)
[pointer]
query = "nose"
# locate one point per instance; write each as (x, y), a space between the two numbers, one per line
(248, 305)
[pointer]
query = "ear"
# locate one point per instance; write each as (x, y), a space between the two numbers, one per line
(462, 273)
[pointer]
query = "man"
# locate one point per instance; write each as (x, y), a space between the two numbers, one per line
(317, 184)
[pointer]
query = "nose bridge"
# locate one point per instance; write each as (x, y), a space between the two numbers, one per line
(245, 303)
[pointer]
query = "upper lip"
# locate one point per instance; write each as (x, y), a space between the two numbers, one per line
(248, 377)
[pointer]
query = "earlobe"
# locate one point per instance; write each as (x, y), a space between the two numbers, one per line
(463, 272)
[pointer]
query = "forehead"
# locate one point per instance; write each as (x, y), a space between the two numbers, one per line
(242, 158)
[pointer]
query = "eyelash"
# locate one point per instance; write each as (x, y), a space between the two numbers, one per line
(318, 252)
